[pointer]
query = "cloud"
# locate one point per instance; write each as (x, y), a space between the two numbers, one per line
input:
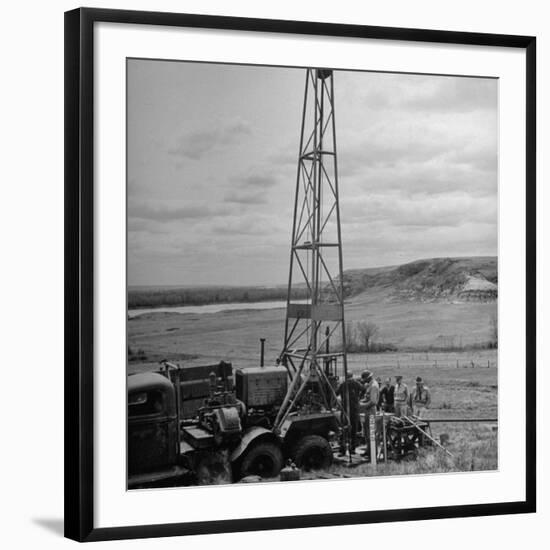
(246, 197)
(458, 95)
(382, 152)
(451, 210)
(482, 157)
(259, 180)
(421, 181)
(167, 211)
(286, 156)
(394, 140)
(140, 225)
(422, 159)
(265, 174)
(417, 158)
(195, 145)
(429, 94)
(270, 227)
(254, 187)
(445, 213)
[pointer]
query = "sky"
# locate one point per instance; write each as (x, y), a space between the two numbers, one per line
(212, 157)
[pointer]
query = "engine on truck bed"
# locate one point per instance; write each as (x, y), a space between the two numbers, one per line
(261, 387)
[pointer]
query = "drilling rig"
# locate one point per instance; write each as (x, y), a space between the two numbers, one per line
(315, 259)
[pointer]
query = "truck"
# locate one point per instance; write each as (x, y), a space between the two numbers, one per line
(199, 424)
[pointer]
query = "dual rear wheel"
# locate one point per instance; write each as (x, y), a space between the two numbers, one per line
(312, 452)
(265, 458)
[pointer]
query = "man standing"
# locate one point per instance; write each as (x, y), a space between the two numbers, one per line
(400, 397)
(354, 389)
(372, 392)
(420, 398)
(386, 396)
(372, 395)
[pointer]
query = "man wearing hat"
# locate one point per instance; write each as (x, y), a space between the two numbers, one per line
(372, 392)
(354, 389)
(420, 398)
(400, 397)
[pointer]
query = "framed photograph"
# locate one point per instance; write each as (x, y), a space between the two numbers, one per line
(300, 274)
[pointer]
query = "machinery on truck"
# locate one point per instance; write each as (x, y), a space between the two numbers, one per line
(187, 425)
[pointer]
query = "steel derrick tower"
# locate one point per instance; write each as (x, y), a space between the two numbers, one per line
(316, 253)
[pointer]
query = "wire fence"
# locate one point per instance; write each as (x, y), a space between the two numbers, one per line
(426, 360)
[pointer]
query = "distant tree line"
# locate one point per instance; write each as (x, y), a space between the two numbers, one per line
(363, 337)
(167, 297)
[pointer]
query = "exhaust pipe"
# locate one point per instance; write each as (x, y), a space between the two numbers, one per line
(262, 346)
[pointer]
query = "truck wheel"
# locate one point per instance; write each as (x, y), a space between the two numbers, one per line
(312, 452)
(263, 459)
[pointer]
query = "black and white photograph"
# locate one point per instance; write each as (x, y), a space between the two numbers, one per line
(274, 274)
(312, 273)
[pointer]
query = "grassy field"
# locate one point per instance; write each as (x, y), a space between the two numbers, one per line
(421, 325)
(234, 335)
(463, 383)
(474, 447)
(459, 392)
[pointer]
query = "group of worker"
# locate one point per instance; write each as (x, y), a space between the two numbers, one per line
(397, 399)
(370, 395)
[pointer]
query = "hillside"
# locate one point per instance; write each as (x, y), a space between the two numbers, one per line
(431, 280)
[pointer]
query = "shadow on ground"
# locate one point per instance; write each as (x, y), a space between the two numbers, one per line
(54, 525)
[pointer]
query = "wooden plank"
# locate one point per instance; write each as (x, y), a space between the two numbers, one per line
(298, 311)
(319, 312)
(327, 312)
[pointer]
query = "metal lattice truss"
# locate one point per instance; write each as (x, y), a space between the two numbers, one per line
(316, 247)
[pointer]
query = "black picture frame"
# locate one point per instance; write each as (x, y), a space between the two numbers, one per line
(79, 269)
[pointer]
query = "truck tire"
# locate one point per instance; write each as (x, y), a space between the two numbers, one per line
(312, 452)
(262, 459)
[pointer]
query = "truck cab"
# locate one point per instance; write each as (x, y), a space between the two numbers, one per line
(152, 427)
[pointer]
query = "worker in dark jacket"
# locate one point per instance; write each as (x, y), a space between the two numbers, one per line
(387, 396)
(379, 404)
(354, 389)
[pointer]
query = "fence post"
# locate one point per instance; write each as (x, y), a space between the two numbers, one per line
(372, 438)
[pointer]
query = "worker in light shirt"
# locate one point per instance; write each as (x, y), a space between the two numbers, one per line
(420, 398)
(400, 397)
